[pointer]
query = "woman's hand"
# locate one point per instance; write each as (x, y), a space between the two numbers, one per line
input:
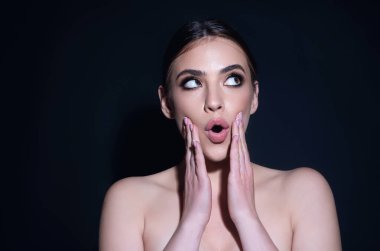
(197, 190)
(241, 199)
(196, 196)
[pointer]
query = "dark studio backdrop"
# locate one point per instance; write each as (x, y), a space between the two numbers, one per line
(85, 109)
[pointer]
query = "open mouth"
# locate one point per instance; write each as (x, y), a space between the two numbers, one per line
(217, 130)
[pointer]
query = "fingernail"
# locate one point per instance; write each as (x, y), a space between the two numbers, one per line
(185, 120)
(237, 120)
(240, 118)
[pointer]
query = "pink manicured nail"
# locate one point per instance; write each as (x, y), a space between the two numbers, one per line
(238, 119)
(185, 120)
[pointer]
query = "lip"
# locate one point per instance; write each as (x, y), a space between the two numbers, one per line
(217, 137)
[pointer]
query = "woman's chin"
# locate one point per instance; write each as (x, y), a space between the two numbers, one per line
(216, 154)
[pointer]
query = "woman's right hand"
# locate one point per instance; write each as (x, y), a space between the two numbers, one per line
(197, 186)
(196, 208)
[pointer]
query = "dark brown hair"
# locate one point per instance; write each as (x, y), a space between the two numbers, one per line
(196, 30)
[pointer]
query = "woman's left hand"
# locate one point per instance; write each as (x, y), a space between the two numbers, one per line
(241, 199)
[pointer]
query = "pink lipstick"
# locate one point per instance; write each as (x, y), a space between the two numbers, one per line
(216, 130)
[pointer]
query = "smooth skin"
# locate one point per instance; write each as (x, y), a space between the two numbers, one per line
(216, 198)
(198, 199)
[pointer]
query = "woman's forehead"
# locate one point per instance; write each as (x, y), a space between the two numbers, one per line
(210, 54)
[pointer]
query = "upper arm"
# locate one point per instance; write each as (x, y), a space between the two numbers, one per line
(314, 219)
(121, 223)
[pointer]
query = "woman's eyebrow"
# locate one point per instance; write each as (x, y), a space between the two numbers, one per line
(192, 72)
(232, 67)
(202, 73)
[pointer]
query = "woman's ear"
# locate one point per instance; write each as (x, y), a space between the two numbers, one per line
(255, 97)
(165, 102)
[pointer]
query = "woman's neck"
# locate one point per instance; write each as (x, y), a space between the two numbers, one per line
(218, 174)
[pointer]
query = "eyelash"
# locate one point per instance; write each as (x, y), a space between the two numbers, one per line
(236, 75)
(185, 80)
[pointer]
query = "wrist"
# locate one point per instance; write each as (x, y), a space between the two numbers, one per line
(191, 228)
(241, 215)
(247, 220)
(185, 233)
(252, 227)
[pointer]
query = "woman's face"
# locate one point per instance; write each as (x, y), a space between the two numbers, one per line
(210, 84)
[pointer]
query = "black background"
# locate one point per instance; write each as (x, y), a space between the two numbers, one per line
(81, 108)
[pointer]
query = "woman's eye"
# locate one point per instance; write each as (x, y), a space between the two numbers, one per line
(190, 84)
(234, 80)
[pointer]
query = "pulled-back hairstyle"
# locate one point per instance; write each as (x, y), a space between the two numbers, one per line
(196, 30)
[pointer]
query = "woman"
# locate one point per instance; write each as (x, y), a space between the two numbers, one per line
(216, 199)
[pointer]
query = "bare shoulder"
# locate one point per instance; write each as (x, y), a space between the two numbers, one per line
(124, 208)
(314, 217)
(306, 185)
(295, 182)
(305, 177)
(138, 190)
(311, 207)
(294, 177)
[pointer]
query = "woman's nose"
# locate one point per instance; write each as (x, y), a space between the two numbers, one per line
(214, 100)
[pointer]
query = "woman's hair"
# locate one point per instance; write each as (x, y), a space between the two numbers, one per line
(194, 31)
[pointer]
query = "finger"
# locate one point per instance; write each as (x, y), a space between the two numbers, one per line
(193, 160)
(240, 150)
(184, 129)
(241, 154)
(189, 155)
(244, 146)
(194, 133)
(188, 132)
(187, 162)
(235, 127)
(192, 164)
(234, 149)
(200, 164)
